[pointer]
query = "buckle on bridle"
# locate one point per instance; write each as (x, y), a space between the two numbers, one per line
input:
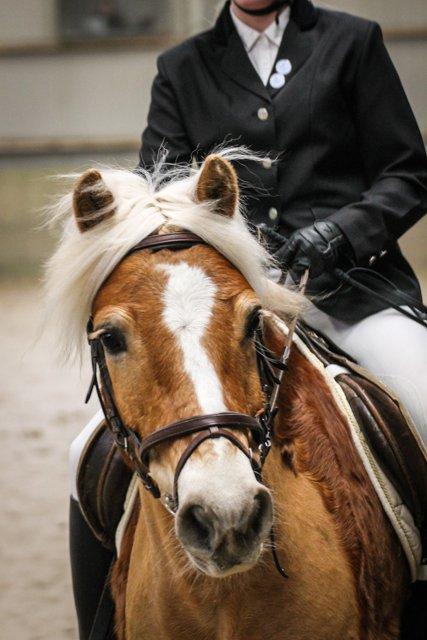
(264, 449)
(148, 483)
(170, 503)
(122, 441)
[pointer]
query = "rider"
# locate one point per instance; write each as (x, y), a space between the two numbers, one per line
(316, 91)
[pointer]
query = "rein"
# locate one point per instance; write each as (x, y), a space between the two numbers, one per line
(204, 427)
(417, 310)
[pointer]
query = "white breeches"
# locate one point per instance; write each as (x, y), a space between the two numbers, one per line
(390, 346)
(78, 446)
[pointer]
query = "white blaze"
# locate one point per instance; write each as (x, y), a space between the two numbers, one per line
(189, 298)
(223, 480)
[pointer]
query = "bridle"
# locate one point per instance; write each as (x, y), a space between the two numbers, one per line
(202, 427)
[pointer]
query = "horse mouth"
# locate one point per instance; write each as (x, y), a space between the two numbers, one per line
(224, 566)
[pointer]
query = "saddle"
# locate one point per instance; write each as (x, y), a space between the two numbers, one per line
(104, 477)
(388, 431)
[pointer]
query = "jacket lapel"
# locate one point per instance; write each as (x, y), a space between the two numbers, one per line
(234, 60)
(236, 65)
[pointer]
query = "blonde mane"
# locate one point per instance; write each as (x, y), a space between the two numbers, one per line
(143, 202)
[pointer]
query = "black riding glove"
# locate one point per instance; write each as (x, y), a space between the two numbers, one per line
(319, 248)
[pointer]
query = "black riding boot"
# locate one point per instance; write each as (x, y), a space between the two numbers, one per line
(90, 567)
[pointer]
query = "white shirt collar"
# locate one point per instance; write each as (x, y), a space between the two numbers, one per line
(274, 32)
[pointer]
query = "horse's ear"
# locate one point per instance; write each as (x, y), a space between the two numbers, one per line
(218, 182)
(92, 201)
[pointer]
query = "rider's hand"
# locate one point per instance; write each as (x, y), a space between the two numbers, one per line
(318, 248)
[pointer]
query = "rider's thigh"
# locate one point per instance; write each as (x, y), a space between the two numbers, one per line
(392, 347)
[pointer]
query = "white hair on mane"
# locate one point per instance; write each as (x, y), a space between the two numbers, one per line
(143, 202)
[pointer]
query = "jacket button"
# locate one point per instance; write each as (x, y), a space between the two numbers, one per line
(267, 162)
(262, 113)
(273, 213)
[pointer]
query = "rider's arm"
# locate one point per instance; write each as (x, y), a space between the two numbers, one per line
(165, 126)
(391, 151)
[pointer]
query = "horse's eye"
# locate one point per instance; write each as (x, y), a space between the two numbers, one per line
(113, 341)
(252, 323)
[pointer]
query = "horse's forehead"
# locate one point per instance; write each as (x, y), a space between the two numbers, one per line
(188, 297)
(144, 277)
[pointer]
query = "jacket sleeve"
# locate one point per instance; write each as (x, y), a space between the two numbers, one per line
(392, 153)
(165, 127)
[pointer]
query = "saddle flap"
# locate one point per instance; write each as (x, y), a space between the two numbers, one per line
(102, 483)
(387, 429)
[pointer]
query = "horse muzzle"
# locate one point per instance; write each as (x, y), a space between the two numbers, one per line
(224, 540)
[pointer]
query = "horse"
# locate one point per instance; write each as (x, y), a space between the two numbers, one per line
(176, 329)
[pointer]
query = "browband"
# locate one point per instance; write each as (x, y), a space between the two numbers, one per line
(157, 242)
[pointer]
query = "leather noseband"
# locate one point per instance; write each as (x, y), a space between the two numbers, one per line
(206, 427)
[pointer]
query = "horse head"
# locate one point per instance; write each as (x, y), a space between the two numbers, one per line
(177, 330)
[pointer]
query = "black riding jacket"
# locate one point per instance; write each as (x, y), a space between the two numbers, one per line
(350, 148)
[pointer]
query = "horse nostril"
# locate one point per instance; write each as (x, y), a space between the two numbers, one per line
(260, 519)
(195, 527)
